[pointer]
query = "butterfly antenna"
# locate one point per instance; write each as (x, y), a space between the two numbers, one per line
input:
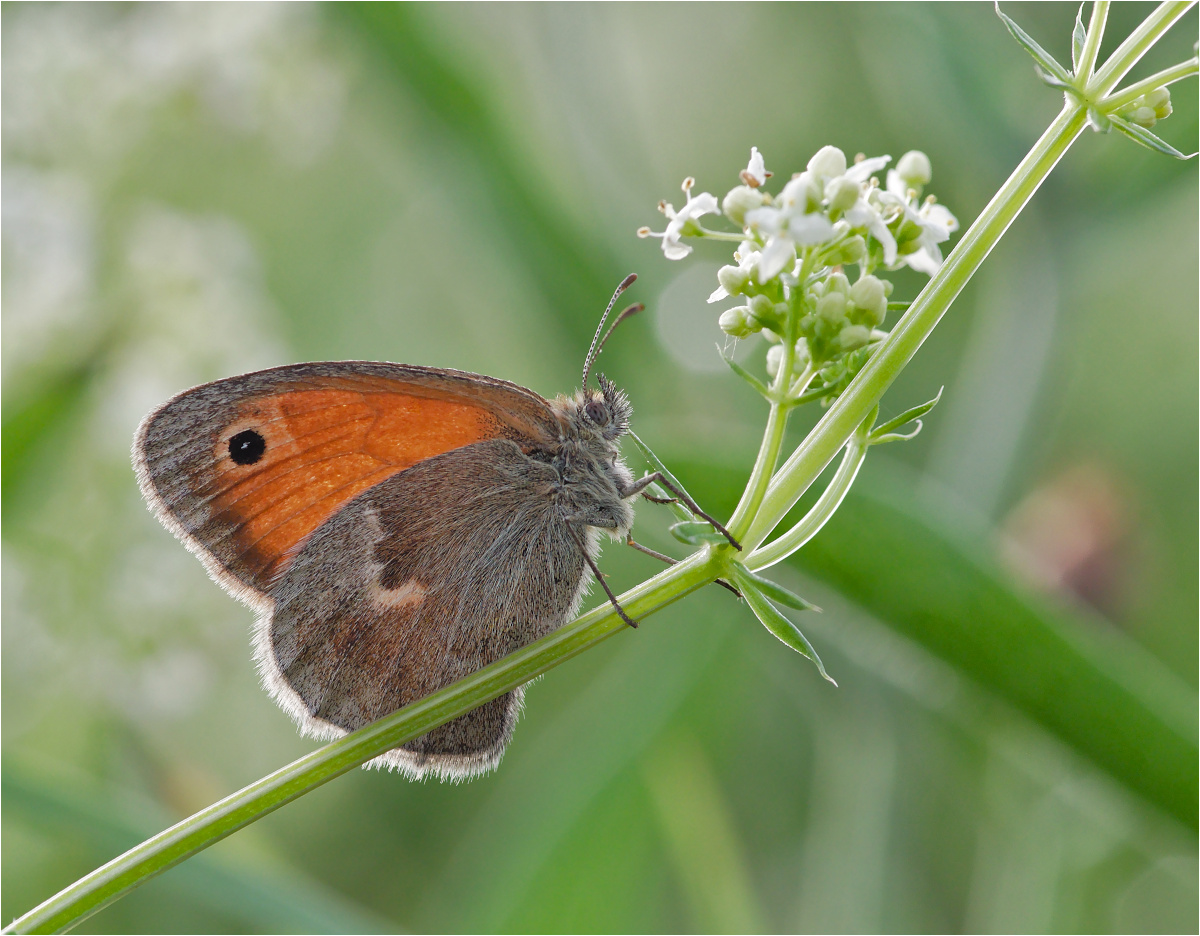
(597, 341)
(627, 313)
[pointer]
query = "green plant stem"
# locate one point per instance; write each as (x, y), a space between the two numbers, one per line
(764, 464)
(825, 507)
(109, 882)
(783, 398)
(1138, 43)
(1161, 79)
(1091, 46)
(851, 408)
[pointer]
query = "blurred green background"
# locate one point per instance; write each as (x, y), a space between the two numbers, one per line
(193, 191)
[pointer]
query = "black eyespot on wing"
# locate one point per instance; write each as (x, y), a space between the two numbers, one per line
(247, 447)
(597, 412)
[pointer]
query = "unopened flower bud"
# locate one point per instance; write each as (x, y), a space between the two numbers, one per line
(832, 307)
(741, 198)
(1144, 117)
(733, 279)
(802, 192)
(1157, 100)
(853, 336)
(914, 169)
(774, 359)
(803, 355)
(736, 322)
(828, 162)
(851, 250)
(837, 282)
(869, 297)
(771, 336)
(842, 193)
(764, 312)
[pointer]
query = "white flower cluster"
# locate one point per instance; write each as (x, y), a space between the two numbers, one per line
(828, 202)
(792, 247)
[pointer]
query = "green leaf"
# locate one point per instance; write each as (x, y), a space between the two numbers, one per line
(1144, 137)
(1078, 38)
(746, 376)
(696, 533)
(884, 439)
(879, 433)
(815, 393)
(1047, 79)
(1040, 55)
(774, 621)
(1097, 121)
(656, 464)
(774, 591)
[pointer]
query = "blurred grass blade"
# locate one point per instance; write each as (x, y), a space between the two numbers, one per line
(773, 620)
(38, 413)
(1094, 688)
(573, 271)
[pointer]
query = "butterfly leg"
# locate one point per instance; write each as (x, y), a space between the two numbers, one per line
(639, 487)
(599, 575)
(629, 541)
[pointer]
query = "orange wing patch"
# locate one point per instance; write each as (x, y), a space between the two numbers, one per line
(321, 449)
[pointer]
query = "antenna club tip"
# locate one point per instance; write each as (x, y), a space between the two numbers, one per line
(627, 282)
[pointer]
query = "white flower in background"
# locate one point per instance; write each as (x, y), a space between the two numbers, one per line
(696, 207)
(755, 173)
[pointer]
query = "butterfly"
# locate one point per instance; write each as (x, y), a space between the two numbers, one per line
(395, 528)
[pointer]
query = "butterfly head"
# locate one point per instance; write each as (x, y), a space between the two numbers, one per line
(605, 412)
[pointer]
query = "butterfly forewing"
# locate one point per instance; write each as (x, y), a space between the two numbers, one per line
(245, 469)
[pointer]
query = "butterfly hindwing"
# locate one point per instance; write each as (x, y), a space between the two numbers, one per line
(414, 584)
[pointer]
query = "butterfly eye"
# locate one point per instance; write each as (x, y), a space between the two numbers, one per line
(597, 412)
(247, 447)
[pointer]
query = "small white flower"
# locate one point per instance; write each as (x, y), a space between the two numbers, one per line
(696, 206)
(790, 225)
(867, 212)
(755, 173)
(936, 222)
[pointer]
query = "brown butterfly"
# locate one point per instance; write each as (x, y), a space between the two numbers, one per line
(396, 528)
